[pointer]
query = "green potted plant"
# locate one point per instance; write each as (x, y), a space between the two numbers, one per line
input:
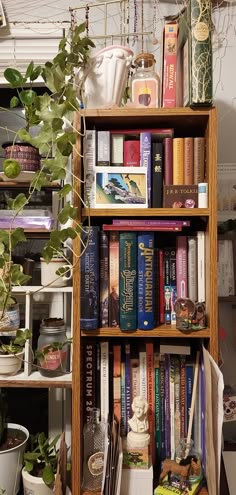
(13, 440)
(12, 352)
(41, 465)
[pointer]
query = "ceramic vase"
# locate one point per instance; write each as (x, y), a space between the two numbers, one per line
(11, 462)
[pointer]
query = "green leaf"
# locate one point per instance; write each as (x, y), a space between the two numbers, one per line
(19, 202)
(24, 135)
(14, 77)
(2, 248)
(17, 236)
(47, 253)
(48, 475)
(67, 212)
(14, 102)
(27, 96)
(67, 188)
(40, 179)
(36, 73)
(29, 70)
(57, 124)
(11, 168)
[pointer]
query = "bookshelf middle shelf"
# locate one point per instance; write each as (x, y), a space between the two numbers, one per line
(146, 212)
(169, 331)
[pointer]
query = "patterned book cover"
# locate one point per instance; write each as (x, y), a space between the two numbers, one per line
(89, 379)
(167, 405)
(117, 381)
(89, 299)
(189, 390)
(128, 280)
(178, 161)
(135, 376)
(143, 372)
(113, 298)
(162, 407)
(157, 403)
(150, 396)
(183, 421)
(104, 278)
(157, 175)
(128, 398)
(104, 380)
(161, 285)
(169, 64)
(146, 159)
(166, 489)
(198, 159)
(181, 266)
(168, 161)
(146, 313)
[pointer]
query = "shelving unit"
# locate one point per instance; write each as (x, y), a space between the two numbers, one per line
(185, 122)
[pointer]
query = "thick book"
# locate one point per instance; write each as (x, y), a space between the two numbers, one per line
(188, 161)
(173, 284)
(128, 280)
(89, 151)
(128, 398)
(146, 159)
(123, 407)
(178, 161)
(192, 268)
(168, 160)
(157, 403)
(169, 64)
(103, 278)
(167, 405)
(162, 408)
(146, 306)
(117, 149)
(172, 406)
(157, 175)
(177, 430)
(150, 223)
(183, 419)
(89, 379)
(189, 390)
(201, 281)
(89, 299)
(161, 286)
(103, 148)
(167, 286)
(113, 301)
(131, 153)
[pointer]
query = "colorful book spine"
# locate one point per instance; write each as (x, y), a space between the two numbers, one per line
(146, 313)
(189, 389)
(167, 405)
(104, 380)
(202, 393)
(173, 284)
(123, 407)
(172, 407)
(143, 373)
(182, 396)
(103, 148)
(177, 429)
(192, 268)
(170, 64)
(147, 228)
(161, 286)
(178, 161)
(162, 407)
(146, 159)
(104, 278)
(188, 161)
(150, 223)
(128, 280)
(168, 161)
(89, 145)
(117, 381)
(157, 403)
(131, 153)
(89, 307)
(113, 301)
(157, 174)
(167, 286)
(199, 159)
(181, 266)
(150, 396)
(201, 282)
(128, 400)
(89, 380)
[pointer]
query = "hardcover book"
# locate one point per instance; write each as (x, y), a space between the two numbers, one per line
(199, 159)
(150, 396)
(146, 307)
(104, 380)
(89, 380)
(168, 160)
(117, 381)
(170, 64)
(117, 149)
(157, 403)
(157, 175)
(181, 266)
(89, 145)
(103, 148)
(124, 187)
(178, 161)
(128, 280)
(131, 153)
(113, 298)
(128, 399)
(188, 161)
(150, 223)
(89, 299)
(180, 196)
(146, 159)
(104, 278)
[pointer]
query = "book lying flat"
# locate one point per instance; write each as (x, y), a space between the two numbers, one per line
(160, 228)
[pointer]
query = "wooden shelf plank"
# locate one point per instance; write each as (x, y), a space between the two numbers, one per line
(162, 331)
(36, 380)
(144, 212)
(38, 288)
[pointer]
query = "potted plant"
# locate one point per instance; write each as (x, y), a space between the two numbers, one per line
(12, 352)
(13, 440)
(41, 464)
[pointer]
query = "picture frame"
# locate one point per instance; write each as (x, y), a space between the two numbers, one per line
(121, 187)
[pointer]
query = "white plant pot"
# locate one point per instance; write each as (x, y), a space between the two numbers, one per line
(107, 77)
(36, 486)
(48, 272)
(11, 462)
(10, 364)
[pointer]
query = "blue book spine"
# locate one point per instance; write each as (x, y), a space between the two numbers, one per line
(128, 401)
(89, 300)
(104, 278)
(128, 280)
(146, 274)
(146, 160)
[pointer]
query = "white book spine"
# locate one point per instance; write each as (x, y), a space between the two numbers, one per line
(143, 374)
(104, 379)
(89, 161)
(201, 266)
(192, 269)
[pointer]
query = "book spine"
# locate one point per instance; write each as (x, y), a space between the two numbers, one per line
(128, 280)
(177, 429)
(192, 268)
(167, 287)
(188, 161)
(150, 223)
(170, 65)
(89, 381)
(161, 286)
(97, 376)
(104, 376)
(162, 407)
(117, 149)
(103, 148)
(167, 405)
(181, 266)
(178, 161)
(168, 161)
(89, 145)
(157, 175)
(189, 390)
(113, 301)
(199, 159)
(201, 266)
(157, 403)
(150, 396)
(146, 313)
(182, 396)
(128, 400)
(131, 153)
(135, 377)
(117, 381)
(172, 407)
(104, 278)
(89, 307)
(173, 284)
(123, 407)
(145, 159)
(143, 373)
(147, 228)
(202, 394)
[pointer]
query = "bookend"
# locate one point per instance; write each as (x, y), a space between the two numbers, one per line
(190, 315)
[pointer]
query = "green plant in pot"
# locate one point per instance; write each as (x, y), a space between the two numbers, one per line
(13, 440)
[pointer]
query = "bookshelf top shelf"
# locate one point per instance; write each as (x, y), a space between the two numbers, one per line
(145, 212)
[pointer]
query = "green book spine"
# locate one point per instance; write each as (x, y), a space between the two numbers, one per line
(128, 280)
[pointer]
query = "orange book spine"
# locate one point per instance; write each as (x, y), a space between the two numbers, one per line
(178, 161)
(188, 161)
(199, 159)
(117, 381)
(150, 396)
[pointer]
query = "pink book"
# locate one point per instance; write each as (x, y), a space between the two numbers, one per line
(181, 266)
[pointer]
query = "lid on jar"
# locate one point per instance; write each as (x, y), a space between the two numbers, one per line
(145, 60)
(52, 322)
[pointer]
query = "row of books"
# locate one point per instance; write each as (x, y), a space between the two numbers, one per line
(131, 279)
(112, 161)
(115, 373)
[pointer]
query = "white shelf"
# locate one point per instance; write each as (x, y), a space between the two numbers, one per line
(36, 288)
(35, 379)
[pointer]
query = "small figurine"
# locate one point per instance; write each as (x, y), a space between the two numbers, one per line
(138, 437)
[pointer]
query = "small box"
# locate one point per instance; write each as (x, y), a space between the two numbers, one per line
(180, 196)
(137, 481)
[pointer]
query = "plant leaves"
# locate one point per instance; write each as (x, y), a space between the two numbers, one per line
(14, 77)
(11, 168)
(14, 102)
(19, 202)
(48, 475)
(27, 96)
(67, 188)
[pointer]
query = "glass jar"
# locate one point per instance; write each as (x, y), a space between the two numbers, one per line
(53, 362)
(94, 433)
(145, 82)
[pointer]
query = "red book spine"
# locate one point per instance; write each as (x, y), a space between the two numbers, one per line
(161, 285)
(181, 266)
(168, 161)
(117, 381)
(131, 153)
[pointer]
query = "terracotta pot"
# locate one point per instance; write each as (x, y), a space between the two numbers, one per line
(27, 155)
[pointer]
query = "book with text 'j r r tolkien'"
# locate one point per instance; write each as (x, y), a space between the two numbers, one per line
(89, 305)
(146, 306)
(128, 280)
